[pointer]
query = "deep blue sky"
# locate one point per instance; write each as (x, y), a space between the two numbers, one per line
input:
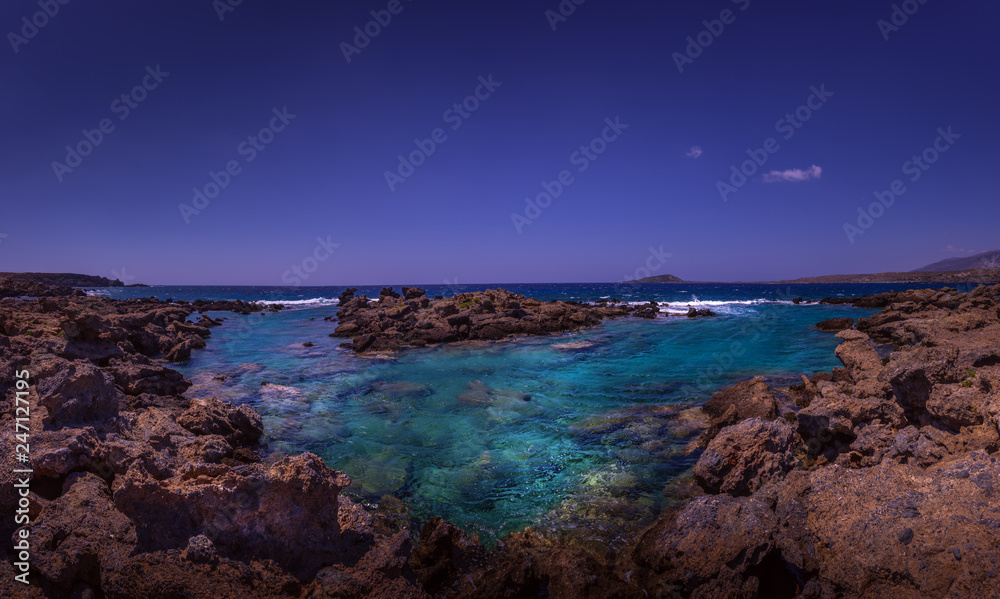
(324, 175)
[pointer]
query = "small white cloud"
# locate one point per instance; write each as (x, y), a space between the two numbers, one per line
(695, 152)
(795, 174)
(954, 250)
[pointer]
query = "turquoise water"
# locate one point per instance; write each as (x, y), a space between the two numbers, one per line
(498, 436)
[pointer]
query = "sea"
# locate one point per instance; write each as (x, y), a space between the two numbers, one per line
(586, 430)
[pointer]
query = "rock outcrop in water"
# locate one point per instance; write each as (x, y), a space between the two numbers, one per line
(879, 479)
(414, 320)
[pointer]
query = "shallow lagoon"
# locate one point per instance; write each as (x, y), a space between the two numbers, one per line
(498, 436)
(581, 430)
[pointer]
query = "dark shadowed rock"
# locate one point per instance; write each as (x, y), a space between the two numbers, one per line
(137, 374)
(835, 325)
(443, 555)
(410, 293)
(696, 313)
(80, 537)
(240, 425)
(286, 512)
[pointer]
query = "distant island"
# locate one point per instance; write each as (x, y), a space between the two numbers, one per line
(62, 279)
(660, 279)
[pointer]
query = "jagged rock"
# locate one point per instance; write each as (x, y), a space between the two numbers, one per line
(650, 310)
(837, 413)
(749, 399)
(63, 451)
(956, 406)
(80, 537)
(182, 351)
(413, 293)
(444, 553)
(240, 425)
(711, 533)
(286, 512)
(137, 375)
(835, 325)
(742, 457)
(200, 550)
(914, 372)
(76, 392)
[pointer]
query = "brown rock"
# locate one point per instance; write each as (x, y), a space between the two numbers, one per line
(750, 399)
(745, 456)
(286, 512)
(240, 425)
(835, 325)
(76, 392)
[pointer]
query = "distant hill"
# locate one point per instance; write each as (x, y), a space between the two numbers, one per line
(61, 279)
(977, 276)
(984, 260)
(659, 279)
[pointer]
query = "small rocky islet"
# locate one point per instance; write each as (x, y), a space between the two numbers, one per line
(879, 478)
(411, 319)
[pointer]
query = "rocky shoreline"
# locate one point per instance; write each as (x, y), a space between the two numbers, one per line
(877, 479)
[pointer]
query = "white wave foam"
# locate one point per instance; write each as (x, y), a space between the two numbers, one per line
(721, 306)
(305, 303)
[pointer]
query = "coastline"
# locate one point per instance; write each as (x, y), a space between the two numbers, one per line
(136, 446)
